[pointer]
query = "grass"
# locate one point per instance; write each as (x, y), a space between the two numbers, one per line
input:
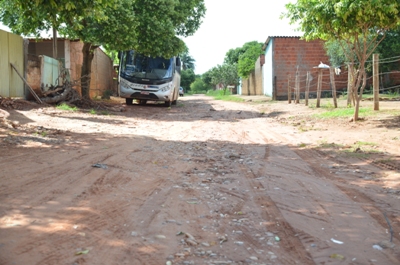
(342, 113)
(219, 95)
(65, 106)
(393, 95)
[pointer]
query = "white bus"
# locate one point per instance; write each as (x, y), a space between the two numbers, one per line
(145, 78)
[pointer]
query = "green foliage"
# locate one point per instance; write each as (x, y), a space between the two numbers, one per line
(149, 27)
(360, 24)
(198, 85)
(248, 59)
(187, 78)
(65, 106)
(224, 95)
(207, 78)
(224, 75)
(389, 47)
(341, 113)
(30, 17)
(245, 57)
(188, 62)
(335, 52)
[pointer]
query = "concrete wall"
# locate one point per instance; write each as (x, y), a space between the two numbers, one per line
(102, 74)
(45, 47)
(268, 72)
(33, 74)
(102, 69)
(11, 51)
(253, 85)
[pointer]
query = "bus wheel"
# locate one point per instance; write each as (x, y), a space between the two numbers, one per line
(129, 101)
(142, 102)
(167, 103)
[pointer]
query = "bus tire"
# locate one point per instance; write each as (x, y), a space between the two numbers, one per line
(128, 101)
(167, 103)
(174, 102)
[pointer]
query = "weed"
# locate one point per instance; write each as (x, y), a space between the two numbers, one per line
(92, 111)
(105, 112)
(44, 134)
(65, 106)
(325, 144)
(341, 112)
(386, 160)
(302, 145)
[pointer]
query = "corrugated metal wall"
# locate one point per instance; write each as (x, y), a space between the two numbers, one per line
(11, 51)
(49, 69)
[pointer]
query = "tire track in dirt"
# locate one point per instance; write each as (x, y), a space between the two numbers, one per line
(285, 153)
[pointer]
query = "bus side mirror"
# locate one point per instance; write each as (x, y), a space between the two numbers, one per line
(178, 64)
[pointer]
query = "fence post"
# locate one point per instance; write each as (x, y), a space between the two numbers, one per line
(332, 75)
(297, 86)
(349, 84)
(319, 87)
(307, 87)
(289, 96)
(375, 82)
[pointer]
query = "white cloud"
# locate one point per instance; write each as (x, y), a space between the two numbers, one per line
(229, 24)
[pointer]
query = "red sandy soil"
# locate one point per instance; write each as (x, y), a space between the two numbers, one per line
(204, 182)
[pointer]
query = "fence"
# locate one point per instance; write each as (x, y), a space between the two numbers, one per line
(11, 51)
(389, 80)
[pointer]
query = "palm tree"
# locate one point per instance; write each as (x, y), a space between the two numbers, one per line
(187, 61)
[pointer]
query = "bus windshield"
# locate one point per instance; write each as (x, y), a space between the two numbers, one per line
(136, 65)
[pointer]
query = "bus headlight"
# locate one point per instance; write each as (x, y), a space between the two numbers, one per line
(166, 88)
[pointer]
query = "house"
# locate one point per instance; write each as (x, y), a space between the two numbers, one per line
(71, 57)
(284, 57)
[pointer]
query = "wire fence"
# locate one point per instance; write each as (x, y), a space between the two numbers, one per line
(389, 80)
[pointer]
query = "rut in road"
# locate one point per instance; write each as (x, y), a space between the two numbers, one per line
(235, 181)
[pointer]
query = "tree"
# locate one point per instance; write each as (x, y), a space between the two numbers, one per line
(245, 57)
(207, 79)
(198, 86)
(389, 47)
(188, 62)
(224, 75)
(31, 17)
(149, 27)
(360, 24)
(187, 78)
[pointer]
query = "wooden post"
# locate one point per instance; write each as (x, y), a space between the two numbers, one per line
(349, 84)
(289, 96)
(307, 87)
(375, 82)
(332, 74)
(274, 89)
(319, 87)
(297, 88)
(30, 89)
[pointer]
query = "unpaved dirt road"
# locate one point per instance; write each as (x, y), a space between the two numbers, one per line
(205, 182)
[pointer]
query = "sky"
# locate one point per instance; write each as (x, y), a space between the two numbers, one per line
(228, 24)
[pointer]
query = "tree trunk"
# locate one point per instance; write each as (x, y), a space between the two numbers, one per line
(88, 55)
(362, 75)
(55, 55)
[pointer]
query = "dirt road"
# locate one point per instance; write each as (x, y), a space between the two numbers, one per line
(205, 182)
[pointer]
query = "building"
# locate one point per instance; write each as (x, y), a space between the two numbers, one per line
(71, 57)
(285, 57)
